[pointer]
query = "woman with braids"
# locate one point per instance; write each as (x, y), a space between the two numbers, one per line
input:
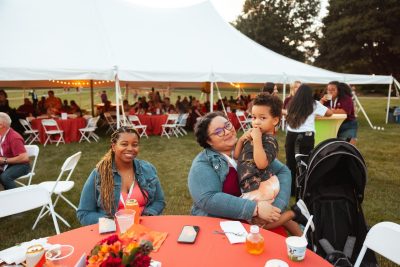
(301, 121)
(120, 176)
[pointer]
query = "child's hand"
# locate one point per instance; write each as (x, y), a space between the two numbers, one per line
(246, 136)
(256, 134)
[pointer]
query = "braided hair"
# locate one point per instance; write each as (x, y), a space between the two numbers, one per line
(105, 173)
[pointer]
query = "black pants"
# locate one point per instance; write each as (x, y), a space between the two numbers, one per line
(306, 145)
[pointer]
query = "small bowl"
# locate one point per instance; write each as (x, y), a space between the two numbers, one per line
(276, 263)
(59, 252)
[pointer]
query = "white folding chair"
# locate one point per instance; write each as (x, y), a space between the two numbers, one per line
(26, 198)
(32, 134)
(182, 119)
(170, 126)
(112, 124)
(33, 151)
(59, 187)
(245, 123)
(51, 129)
(88, 131)
(382, 238)
(138, 126)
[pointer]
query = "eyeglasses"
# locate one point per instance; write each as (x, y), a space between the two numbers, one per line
(220, 132)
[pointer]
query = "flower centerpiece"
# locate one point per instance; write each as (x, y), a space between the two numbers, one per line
(117, 252)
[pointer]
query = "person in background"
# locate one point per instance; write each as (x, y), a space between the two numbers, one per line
(213, 180)
(293, 89)
(53, 104)
(103, 97)
(341, 102)
(26, 109)
(120, 176)
(42, 106)
(301, 122)
(66, 107)
(75, 109)
(14, 160)
(268, 88)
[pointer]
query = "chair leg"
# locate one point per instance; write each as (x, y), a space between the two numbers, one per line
(69, 202)
(48, 138)
(53, 216)
(38, 217)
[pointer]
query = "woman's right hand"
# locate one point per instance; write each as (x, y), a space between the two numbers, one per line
(268, 212)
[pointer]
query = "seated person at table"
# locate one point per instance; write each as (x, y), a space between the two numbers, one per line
(120, 176)
(65, 107)
(213, 179)
(26, 109)
(14, 160)
(301, 121)
(75, 109)
(255, 151)
(53, 104)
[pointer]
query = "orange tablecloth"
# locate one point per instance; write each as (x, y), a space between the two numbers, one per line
(69, 126)
(209, 250)
(154, 123)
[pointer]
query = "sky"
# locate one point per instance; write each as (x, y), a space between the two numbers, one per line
(229, 9)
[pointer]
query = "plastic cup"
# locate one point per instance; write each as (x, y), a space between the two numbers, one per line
(296, 248)
(328, 97)
(125, 219)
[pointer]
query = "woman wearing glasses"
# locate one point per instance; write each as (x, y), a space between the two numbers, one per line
(213, 180)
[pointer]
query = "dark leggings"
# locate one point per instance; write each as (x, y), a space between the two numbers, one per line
(306, 145)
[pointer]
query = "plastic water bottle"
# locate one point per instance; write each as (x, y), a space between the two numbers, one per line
(254, 241)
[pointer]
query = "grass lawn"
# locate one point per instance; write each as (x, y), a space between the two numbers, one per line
(173, 158)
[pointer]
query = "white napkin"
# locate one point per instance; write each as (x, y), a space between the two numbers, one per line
(17, 254)
(234, 227)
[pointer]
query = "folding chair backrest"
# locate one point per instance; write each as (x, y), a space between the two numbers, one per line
(134, 119)
(182, 119)
(108, 118)
(382, 238)
(92, 122)
(68, 166)
(240, 115)
(25, 124)
(172, 118)
(49, 123)
(22, 199)
(33, 151)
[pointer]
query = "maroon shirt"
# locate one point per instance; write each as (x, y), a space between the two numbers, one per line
(345, 103)
(13, 145)
(231, 183)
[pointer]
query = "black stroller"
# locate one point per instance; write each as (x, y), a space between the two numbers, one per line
(331, 181)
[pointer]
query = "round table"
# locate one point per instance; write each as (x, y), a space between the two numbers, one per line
(328, 127)
(154, 123)
(208, 250)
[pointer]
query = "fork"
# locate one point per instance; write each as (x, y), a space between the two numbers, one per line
(223, 232)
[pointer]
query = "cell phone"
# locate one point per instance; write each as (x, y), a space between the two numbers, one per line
(188, 234)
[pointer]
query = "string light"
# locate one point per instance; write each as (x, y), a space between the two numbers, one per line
(79, 83)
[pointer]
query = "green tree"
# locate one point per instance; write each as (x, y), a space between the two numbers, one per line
(283, 26)
(361, 37)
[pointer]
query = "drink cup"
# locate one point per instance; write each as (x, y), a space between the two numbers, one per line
(35, 256)
(328, 97)
(296, 248)
(125, 219)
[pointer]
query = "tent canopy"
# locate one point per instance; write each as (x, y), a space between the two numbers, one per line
(95, 39)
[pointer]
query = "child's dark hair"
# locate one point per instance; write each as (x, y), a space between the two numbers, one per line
(273, 102)
(301, 106)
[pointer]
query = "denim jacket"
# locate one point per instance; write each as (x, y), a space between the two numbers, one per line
(206, 177)
(90, 208)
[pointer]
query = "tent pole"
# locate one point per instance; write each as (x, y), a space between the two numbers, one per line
(283, 98)
(388, 103)
(222, 102)
(91, 97)
(117, 94)
(212, 97)
(363, 111)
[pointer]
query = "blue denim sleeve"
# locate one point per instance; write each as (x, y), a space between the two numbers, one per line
(205, 188)
(157, 206)
(285, 181)
(88, 212)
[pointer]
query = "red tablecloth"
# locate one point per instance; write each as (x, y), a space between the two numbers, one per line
(154, 123)
(233, 119)
(209, 249)
(69, 126)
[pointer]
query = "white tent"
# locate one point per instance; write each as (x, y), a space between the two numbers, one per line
(101, 39)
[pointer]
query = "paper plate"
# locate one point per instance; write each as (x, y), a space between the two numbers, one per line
(276, 263)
